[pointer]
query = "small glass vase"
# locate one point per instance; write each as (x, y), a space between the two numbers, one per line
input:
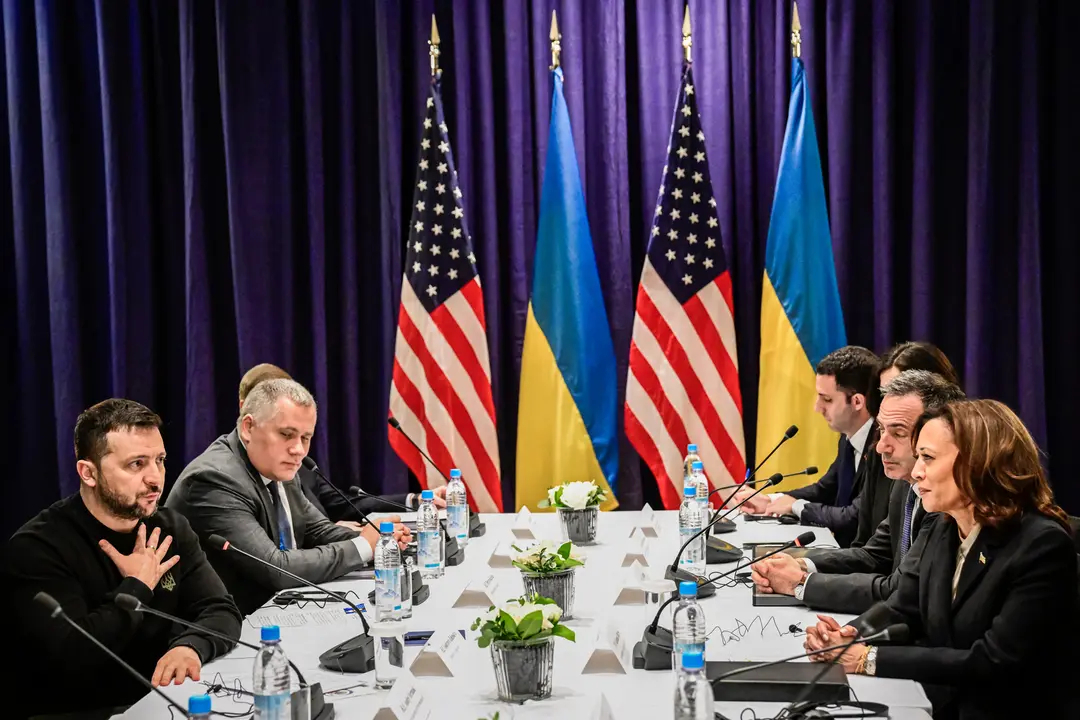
(523, 672)
(579, 526)
(557, 586)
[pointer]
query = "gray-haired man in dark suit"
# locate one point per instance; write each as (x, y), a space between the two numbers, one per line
(244, 488)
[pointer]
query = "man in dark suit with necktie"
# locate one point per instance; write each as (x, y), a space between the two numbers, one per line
(844, 380)
(851, 580)
(243, 487)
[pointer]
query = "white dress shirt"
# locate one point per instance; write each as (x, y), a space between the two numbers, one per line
(966, 544)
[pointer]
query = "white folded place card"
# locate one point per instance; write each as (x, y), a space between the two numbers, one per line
(522, 528)
(637, 549)
(502, 557)
(629, 590)
(478, 594)
(405, 701)
(612, 654)
(441, 657)
(646, 523)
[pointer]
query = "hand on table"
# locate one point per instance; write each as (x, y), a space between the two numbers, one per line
(401, 533)
(176, 666)
(779, 574)
(755, 505)
(827, 633)
(780, 506)
(440, 497)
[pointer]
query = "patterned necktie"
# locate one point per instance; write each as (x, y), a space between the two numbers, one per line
(285, 531)
(845, 473)
(905, 535)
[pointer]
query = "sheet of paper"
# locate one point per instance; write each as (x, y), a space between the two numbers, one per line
(303, 618)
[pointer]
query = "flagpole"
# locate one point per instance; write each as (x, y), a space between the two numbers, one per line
(433, 48)
(687, 41)
(796, 32)
(556, 42)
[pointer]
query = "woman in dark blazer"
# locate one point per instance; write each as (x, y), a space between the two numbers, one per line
(992, 606)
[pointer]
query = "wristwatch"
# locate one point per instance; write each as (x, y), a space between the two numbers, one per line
(800, 589)
(870, 667)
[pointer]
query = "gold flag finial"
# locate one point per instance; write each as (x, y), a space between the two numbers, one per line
(687, 41)
(796, 32)
(556, 42)
(433, 47)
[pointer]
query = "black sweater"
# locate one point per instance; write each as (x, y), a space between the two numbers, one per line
(57, 551)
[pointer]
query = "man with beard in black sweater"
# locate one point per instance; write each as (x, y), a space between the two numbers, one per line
(84, 550)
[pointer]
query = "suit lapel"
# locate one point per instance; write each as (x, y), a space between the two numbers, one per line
(978, 560)
(939, 575)
(261, 491)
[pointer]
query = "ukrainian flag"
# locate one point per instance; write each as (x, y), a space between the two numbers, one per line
(801, 319)
(567, 407)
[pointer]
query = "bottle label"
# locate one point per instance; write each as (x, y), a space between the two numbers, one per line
(388, 588)
(688, 647)
(273, 706)
(457, 518)
(428, 551)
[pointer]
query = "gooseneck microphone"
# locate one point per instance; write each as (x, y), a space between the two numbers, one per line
(319, 709)
(354, 655)
(653, 651)
(674, 572)
(723, 551)
(311, 465)
(55, 611)
(812, 470)
(476, 528)
(455, 554)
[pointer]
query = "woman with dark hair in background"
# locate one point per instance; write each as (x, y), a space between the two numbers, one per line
(992, 604)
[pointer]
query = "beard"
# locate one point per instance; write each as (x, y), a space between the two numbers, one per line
(120, 506)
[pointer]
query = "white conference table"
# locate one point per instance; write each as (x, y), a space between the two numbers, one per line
(740, 632)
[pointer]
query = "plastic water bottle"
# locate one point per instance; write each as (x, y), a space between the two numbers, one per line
(688, 462)
(700, 484)
(693, 693)
(690, 522)
(198, 707)
(407, 569)
(687, 624)
(430, 546)
(457, 509)
(387, 575)
(271, 681)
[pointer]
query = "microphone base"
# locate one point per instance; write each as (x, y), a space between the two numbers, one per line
(455, 554)
(355, 655)
(476, 528)
(717, 552)
(653, 651)
(318, 708)
(420, 591)
(726, 525)
(681, 575)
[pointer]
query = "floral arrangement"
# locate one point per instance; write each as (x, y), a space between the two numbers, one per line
(544, 558)
(574, 496)
(528, 619)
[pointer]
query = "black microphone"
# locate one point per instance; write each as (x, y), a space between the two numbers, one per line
(310, 464)
(812, 470)
(476, 528)
(674, 572)
(653, 651)
(455, 554)
(319, 709)
(55, 611)
(354, 655)
(736, 486)
(724, 552)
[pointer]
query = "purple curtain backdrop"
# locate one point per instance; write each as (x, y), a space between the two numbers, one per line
(198, 186)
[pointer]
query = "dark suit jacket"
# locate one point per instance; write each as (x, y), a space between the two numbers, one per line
(843, 520)
(853, 579)
(221, 492)
(1002, 648)
(332, 505)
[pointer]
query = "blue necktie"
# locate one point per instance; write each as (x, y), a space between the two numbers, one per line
(845, 474)
(285, 531)
(905, 535)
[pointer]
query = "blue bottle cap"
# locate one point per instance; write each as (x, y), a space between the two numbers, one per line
(691, 448)
(455, 473)
(271, 633)
(427, 495)
(689, 491)
(688, 588)
(696, 465)
(386, 527)
(198, 704)
(693, 661)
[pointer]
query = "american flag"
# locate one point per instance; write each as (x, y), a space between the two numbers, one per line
(441, 388)
(683, 384)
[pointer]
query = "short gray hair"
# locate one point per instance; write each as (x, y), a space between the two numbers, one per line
(934, 390)
(262, 398)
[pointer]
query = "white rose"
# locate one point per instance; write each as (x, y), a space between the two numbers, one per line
(551, 495)
(576, 495)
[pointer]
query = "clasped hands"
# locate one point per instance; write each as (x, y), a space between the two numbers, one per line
(828, 633)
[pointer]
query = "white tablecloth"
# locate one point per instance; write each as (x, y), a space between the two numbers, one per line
(740, 631)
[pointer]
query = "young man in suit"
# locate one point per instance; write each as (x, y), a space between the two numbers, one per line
(844, 380)
(243, 488)
(853, 579)
(317, 487)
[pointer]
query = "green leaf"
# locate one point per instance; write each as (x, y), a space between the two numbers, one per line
(571, 563)
(538, 600)
(558, 496)
(564, 632)
(564, 550)
(538, 637)
(506, 622)
(530, 624)
(545, 503)
(483, 641)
